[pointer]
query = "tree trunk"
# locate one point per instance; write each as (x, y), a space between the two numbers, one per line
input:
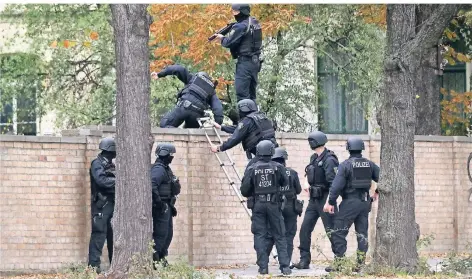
(397, 230)
(132, 221)
(396, 242)
(428, 107)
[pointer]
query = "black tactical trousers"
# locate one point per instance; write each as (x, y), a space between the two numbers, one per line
(162, 233)
(246, 77)
(179, 115)
(352, 210)
(290, 222)
(265, 214)
(314, 211)
(101, 231)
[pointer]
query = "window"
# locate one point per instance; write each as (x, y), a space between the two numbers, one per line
(18, 94)
(338, 114)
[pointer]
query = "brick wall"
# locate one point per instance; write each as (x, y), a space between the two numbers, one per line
(45, 197)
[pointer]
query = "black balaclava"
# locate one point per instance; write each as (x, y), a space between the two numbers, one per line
(355, 152)
(109, 155)
(167, 160)
(240, 17)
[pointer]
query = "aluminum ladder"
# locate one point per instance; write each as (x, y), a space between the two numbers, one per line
(206, 123)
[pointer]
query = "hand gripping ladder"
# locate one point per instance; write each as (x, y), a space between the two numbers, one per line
(206, 124)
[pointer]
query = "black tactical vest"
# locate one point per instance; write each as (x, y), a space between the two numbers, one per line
(165, 189)
(251, 41)
(264, 131)
(201, 88)
(361, 175)
(315, 170)
(109, 171)
(289, 190)
(265, 178)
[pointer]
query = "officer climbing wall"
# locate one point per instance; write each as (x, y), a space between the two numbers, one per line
(253, 127)
(165, 188)
(292, 207)
(102, 183)
(197, 95)
(320, 173)
(263, 180)
(352, 182)
(244, 42)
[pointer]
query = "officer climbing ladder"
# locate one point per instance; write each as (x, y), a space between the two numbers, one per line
(205, 124)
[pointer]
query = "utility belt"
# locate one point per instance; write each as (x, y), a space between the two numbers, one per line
(318, 191)
(249, 56)
(101, 200)
(170, 200)
(188, 105)
(361, 195)
(289, 196)
(267, 198)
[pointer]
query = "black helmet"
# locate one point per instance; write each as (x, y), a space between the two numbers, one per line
(265, 148)
(246, 106)
(355, 144)
(280, 153)
(107, 144)
(243, 8)
(164, 149)
(316, 139)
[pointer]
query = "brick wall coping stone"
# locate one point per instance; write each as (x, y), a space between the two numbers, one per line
(79, 135)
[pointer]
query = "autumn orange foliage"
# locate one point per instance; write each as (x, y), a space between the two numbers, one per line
(376, 14)
(456, 107)
(181, 31)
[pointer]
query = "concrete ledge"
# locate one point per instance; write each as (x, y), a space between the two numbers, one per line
(80, 139)
(12, 138)
(43, 139)
(434, 138)
(94, 130)
(462, 139)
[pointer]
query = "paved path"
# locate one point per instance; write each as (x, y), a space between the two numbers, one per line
(314, 271)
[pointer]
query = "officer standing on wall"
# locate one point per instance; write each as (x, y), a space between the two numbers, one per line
(102, 182)
(244, 42)
(292, 206)
(197, 95)
(352, 182)
(253, 127)
(320, 173)
(165, 188)
(262, 181)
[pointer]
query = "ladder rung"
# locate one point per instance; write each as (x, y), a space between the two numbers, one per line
(226, 164)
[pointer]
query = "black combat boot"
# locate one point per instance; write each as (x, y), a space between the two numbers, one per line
(164, 262)
(301, 265)
(286, 271)
(335, 266)
(263, 271)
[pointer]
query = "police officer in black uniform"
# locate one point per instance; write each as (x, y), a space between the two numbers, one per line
(253, 127)
(352, 182)
(102, 182)
(244, 42)
(292, 207)
(165, 188)
(320, 173)
(262, 181)
(197, 95)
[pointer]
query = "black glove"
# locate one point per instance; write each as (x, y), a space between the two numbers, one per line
(218, 119)
(160, 206)
(161, 74)
(174, 211)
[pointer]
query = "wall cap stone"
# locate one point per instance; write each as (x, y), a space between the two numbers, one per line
(94, 130)
(43, 139)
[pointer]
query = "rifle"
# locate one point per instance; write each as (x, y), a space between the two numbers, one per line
(223, 31)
